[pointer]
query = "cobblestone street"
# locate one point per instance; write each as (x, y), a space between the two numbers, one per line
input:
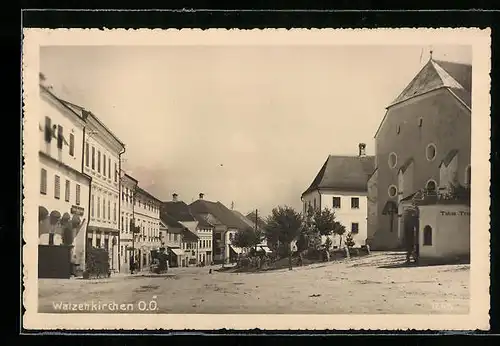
(371, 285)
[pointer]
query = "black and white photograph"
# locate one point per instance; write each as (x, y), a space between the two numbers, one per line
(195, 177)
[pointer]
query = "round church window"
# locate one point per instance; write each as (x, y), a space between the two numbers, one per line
(393, 160)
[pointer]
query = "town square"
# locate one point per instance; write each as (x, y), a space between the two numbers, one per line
(212, 179)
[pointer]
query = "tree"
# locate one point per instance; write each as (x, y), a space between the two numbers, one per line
(339, 229)
(328, 244)
(285, 225)
(349, 241)
(324, 221)
(247, 238)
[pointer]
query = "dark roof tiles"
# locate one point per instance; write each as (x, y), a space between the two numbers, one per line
(344, 173)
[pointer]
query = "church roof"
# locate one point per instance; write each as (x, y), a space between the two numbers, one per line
(440, 74)
(344, 173)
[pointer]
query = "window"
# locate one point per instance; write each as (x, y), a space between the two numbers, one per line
(431, 185)
(354, 227)
(98, 207)
(354, 202)
(123, 225)
(420, 122)
(93, 158)
(77, 194)
(104, 165)
(176, 237)
(43, 181)
(109, 210)
(57, 187)
(87, 154)
(116, 174)
(467, 176)
(67, 191)
(60, 137)
(392, 191)
(72, 144)
(98, 241)
(93, 205)
(314, 203)
(99, 161)
(89, 241)
(48, 130)
(430, 152)
(51, 239)
(104, 208)
(114, 212)
(336, 202)
(393, 160)
(106, 243)
(427, 235)
(109, 168)
(398, 130)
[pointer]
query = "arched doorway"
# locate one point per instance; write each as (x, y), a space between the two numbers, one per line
(411, 233)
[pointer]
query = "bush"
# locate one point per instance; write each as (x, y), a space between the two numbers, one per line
(337, 254)
(97, 262)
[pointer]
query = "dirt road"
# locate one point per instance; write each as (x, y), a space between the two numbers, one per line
(370, 285)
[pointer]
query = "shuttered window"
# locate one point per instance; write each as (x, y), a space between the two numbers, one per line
(87, 154)
(109, 210)
(67, 191)
(48, 129)
(109, 168)
(77, 193)
(72, 144)
(60, 137)
(43, 181)
(57, 186)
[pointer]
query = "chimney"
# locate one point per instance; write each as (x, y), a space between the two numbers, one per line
(362, 149)
(201, 195)
(174, 197)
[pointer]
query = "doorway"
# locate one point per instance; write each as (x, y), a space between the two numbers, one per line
(411, 233)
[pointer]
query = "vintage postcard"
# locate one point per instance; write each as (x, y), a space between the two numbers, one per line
(271, 179)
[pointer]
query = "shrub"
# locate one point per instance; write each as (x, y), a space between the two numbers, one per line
(97, 262)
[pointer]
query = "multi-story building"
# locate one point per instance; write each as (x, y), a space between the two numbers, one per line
(147, 218)
(102, 151)
(128, 188)
(426, 127)
(225, 226)
(171, 239)
(64, 189)
(342, 186)
(204, 230)
(180, 212)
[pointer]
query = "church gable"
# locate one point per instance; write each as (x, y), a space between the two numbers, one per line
(426, 80)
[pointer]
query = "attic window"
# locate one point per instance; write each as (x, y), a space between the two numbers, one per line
(420, 121)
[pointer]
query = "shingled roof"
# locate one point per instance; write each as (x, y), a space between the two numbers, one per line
(179, 210)
(224, 215)
(344, 173)
(440, 74)
(172, 224)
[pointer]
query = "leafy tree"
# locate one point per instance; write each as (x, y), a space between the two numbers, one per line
(247, 238)
(339, 229)
(349, 241)
(324, 221)
(328, 244)
(285, 225)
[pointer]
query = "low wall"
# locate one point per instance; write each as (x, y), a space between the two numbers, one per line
(54, 261)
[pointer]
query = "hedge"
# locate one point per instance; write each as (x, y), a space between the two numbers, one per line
(97, 263)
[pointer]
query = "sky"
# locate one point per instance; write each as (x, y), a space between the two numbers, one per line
(249, 125)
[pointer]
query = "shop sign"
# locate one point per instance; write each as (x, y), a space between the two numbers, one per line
(77, 210)
(455, 213)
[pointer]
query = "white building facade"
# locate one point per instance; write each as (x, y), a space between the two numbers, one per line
(127, 196)
(102, 153)
(64, 189)
(147, 218)
(342, 187)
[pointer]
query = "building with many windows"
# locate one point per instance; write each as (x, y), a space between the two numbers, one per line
(127, 191)
(102, 152)
(342, 186)
(146, 215)
(422, 143)
(64, 189)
